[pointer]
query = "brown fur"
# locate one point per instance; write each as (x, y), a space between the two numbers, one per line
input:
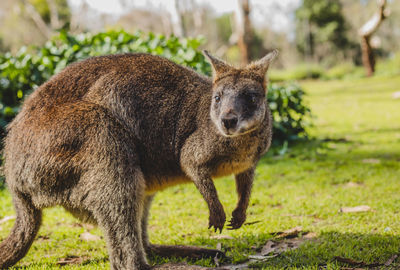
(102, 136)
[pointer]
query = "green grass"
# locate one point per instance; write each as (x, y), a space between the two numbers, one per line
(356, 140)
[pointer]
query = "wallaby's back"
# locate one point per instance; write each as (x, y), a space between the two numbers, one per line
(155, 98)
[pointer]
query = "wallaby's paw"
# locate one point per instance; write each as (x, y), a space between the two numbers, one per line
(237, 220)
(217, 220)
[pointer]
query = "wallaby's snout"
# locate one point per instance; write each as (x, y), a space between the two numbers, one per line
(229, 121)
(238, 108)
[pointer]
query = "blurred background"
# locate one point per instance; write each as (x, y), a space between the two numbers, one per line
(318, 39)
(334, 93)
(310, 32)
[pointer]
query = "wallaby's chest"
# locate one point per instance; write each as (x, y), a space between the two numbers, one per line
(240, 157)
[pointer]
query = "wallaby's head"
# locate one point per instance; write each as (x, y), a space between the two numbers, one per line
(238, 104)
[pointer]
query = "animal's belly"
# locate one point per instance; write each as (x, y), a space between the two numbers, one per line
(157, 184)
(233, 167)
(154, 184)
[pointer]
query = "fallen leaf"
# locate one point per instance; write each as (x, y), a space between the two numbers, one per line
(86, 236)
(87, 226)
(396, 95)
(252, 222)
(356, 209)
(221, 236)
(293, 232)
(71, 260)
(352, 262)
(391, 260)
(6, 218)
(268, 248)
(261, 258)
(180, 266)
(43, 237)
(354, 184)
(310, 235)
(281, 246)
(371, 161)
(217, 256)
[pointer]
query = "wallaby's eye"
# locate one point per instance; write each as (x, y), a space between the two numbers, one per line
(217, 99)
(252, 98)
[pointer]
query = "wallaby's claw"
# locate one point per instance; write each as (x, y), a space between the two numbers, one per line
(216, 228)
(217, 219)
(237, 220)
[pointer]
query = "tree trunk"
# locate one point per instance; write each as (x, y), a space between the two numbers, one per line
(54, 17)
(366, 31)
(244, 31)
(178, 20)
(368, 57)
(37, 19)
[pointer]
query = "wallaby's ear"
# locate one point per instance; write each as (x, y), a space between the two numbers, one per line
(219, 66)
(260, 67)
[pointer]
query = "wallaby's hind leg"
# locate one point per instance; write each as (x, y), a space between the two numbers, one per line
(26, 226)
(145, 217)
(118, 210)
(172, 251)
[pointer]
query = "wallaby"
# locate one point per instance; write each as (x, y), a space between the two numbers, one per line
(104, 135)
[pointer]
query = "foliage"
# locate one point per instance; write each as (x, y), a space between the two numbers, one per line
(289, 111)
(321, 29)
(26, 71)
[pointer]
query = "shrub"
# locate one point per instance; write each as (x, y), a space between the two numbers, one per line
(290, 113)
(24, 72)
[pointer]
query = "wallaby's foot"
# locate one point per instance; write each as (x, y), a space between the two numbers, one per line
(237, 220)
(184, 252)
(217, 219)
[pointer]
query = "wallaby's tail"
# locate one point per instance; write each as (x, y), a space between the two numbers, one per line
(26, 226)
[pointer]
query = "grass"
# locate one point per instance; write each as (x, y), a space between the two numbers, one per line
(354, 160)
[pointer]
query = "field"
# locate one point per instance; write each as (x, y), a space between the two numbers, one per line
(352, 160)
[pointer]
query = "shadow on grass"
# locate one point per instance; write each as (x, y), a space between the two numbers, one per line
(323, 250)
(330, 150)
(319, 252)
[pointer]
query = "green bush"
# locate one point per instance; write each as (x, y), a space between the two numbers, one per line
(290, 113)
(24, 72)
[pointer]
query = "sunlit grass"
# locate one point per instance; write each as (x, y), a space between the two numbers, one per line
(357, 141)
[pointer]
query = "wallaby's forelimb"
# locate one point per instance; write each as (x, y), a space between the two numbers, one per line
(244, 182)
(206, 187)
(26, 226)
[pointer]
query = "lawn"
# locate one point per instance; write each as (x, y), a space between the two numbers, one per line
(352, 160)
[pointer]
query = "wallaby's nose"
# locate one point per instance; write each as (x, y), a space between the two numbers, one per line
(229, 121)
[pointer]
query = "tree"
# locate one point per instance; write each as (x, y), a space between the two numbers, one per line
(366, 32)
(32, 21)
(244, 31)
(321, 29)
